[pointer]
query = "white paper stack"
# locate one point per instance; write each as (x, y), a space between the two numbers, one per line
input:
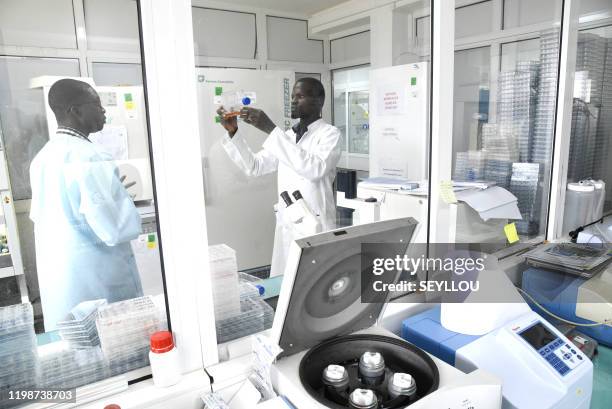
(125, 329)
(224, 274)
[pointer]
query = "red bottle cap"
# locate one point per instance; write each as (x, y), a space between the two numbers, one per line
(112, 406)
(161, 342)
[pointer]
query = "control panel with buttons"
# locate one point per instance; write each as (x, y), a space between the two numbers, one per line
(559, 353)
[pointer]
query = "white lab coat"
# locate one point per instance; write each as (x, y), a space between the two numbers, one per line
(83, 223)
(308, 166)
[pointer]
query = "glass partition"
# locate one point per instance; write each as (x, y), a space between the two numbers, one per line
(504, 121)
(273, 135)
(588, 194)
(80, 261)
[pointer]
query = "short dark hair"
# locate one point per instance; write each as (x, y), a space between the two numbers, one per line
(65, 93)
(315, 85)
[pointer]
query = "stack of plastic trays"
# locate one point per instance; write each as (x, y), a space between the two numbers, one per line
(460, 172)
(524, 185)
(72, 368)
(255, 314)
(591, 140)
(251, 287)
(524, 106)
(224, 274)
(604, 127)
(249, 321)
(590, 61)
(18, 350)
(82, 333)
(541, 147)
(576, 165)
(469, 166)
(499, 154)
(590, 57)
(125, 329)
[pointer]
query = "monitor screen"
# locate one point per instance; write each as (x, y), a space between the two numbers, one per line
(538, 336)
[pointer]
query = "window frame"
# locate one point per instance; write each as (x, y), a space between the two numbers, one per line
(186, 292)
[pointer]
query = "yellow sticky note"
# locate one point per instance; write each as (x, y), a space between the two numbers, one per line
(151, 245)
(511, 234)
(446, 192)
(129, 105)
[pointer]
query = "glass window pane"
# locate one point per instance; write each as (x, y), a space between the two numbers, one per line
(589, 175)
(288, 41)
(300, 75)
(222, 33)
(110, 25)
(24, 113)
(423, 29)
(351, 100)
(471, 93)
(359, 126)
(519, 13)
(474, 19)
(244, 173)
(504, 131)
(340, 115)
(112, 74)
(51, 26)
(78, 226)
(353, 47)
(526, 50)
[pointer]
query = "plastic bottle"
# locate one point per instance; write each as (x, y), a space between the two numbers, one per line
(164, 358)
(234, 101)
(578, 205)
(599, 199)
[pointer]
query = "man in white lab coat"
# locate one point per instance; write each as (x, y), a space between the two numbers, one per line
(83, 216)
(305, 158)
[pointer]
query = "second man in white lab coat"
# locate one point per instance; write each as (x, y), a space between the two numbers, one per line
(305, 158)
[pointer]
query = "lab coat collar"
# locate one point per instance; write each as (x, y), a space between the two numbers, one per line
(314, 125)
(64, 130)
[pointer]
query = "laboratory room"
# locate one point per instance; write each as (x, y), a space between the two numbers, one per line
(272, 204)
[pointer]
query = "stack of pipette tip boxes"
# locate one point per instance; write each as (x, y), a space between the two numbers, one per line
(18, 351)
(125, 329)
(239, 307)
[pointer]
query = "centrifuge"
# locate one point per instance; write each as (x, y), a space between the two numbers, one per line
(334, 355)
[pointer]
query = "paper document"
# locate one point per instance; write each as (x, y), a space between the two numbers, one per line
(113, 139)
(492, 203)
(390, 183)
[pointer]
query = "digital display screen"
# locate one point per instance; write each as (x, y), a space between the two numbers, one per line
(538, 336)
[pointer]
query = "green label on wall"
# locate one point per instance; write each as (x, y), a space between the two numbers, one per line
(413, 81)
(218, 91)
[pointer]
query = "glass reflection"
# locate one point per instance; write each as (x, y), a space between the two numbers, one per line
(79, 201)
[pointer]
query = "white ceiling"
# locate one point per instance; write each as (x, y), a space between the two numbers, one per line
(306, 7)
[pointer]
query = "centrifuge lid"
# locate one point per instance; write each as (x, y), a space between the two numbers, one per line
(320, 297)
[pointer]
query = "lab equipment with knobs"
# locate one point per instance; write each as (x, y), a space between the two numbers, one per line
(334, 356)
